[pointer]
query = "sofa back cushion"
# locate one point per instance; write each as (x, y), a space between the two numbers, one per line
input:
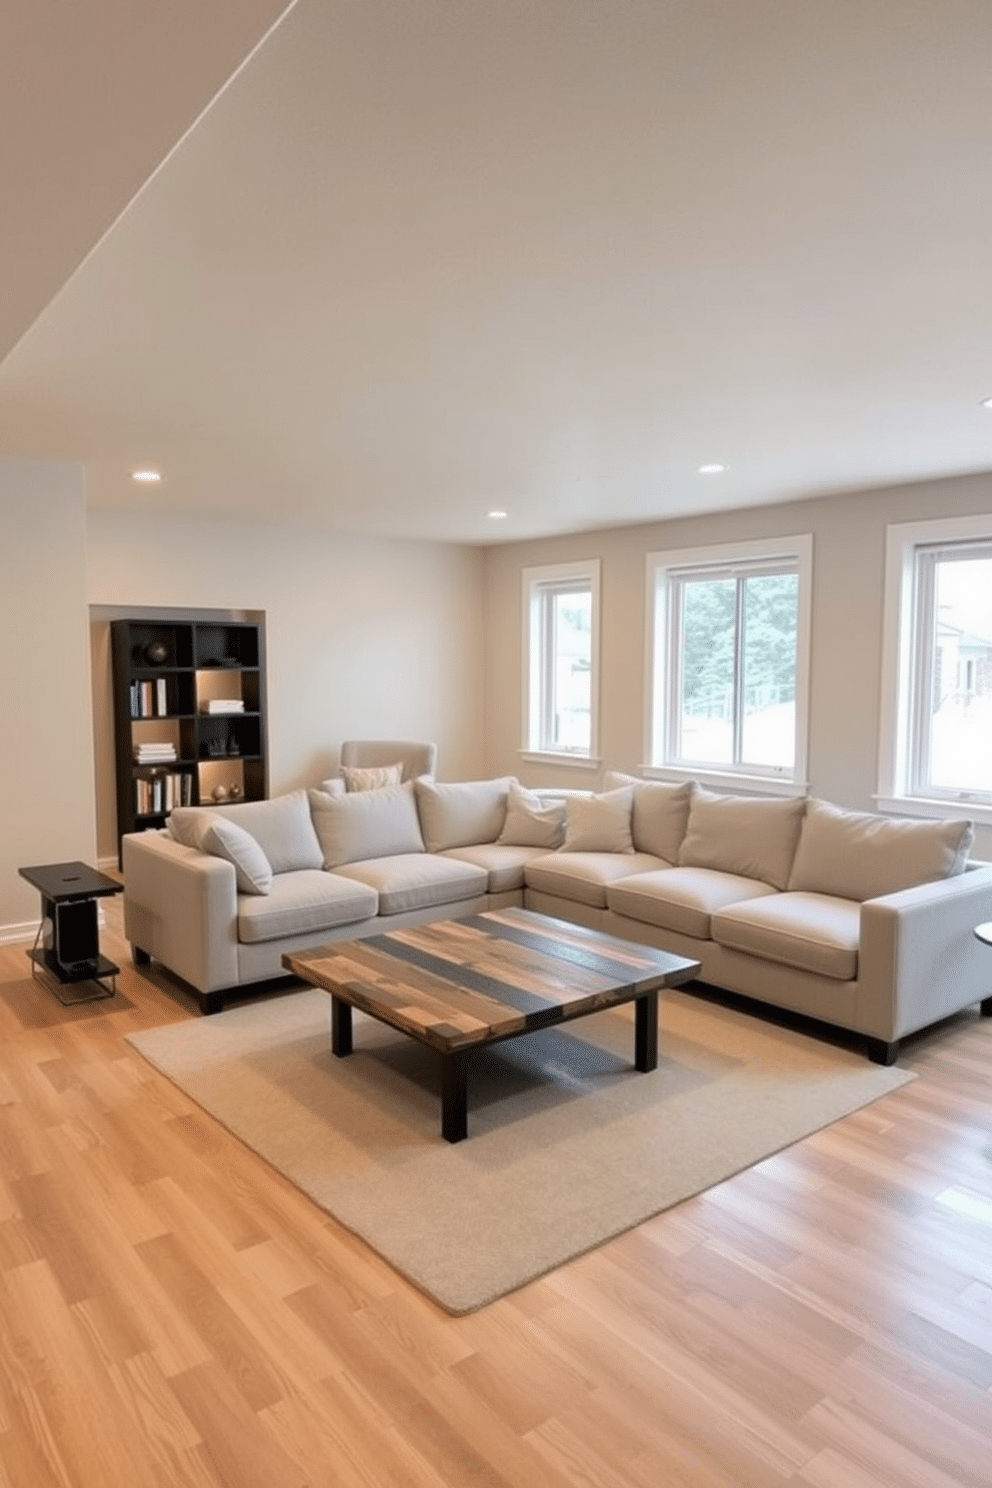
(752, 836)
(460, 813)
(366, 824)
(532, 821)
(860, 855)
(600, 823)
(660, 815)
(283, 829)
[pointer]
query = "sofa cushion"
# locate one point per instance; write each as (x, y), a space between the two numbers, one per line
(751, 836)
(503, 862)
(813, 932)
(682, 899)
(366, 824)
(660, 814)
(532, 821)
(460, 813)
(225, 839)
(281, 826)
(600, 823)
(584, 876)
(417, 881)
(859, 855)
(371, 777)
(303, 902)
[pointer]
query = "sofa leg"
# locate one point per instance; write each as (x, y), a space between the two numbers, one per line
(882, 1052)
(140, 957)
(986, 1007)
(210, 1002)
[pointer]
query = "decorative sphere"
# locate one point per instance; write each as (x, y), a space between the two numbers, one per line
(156, 652)
(219, 792)
(234, 793)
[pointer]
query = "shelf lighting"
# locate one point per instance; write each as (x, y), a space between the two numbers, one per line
(146, 477)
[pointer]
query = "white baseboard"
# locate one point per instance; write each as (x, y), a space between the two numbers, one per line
(11, 934)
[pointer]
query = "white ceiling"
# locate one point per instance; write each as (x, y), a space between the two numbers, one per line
(422, 258)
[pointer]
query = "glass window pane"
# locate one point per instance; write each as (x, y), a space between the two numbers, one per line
(960, 661)
(571, 652)
(706, 671)
(768, 733)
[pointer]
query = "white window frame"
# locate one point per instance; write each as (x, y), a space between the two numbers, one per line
(659, 705)
(538, 584)
(900, 642)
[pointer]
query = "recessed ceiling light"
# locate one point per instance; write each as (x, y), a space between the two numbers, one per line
(147, 477)
(496, 516)
(712, 469)
(987, 402)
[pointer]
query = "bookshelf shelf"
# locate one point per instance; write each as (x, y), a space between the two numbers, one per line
(189, 716)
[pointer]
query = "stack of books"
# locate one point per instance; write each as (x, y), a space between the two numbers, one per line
(155, 754)
(222, 705)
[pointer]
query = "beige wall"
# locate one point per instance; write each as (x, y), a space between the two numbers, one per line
(848, 573)
(46, 757)
(365, 638)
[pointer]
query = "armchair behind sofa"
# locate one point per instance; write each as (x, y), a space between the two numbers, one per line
(416, 757)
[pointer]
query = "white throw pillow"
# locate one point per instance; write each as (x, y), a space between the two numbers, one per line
(333, 787)
(752, 836)
(367, 824)
(600, 823)
(461, 813)
(225, 839)
(187, 824)
(860, 855)
(531, 822)
(371, 777)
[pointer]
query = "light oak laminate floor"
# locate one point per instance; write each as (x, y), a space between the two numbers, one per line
(174, 1313)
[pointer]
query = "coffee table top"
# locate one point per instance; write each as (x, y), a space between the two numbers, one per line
(455, 983)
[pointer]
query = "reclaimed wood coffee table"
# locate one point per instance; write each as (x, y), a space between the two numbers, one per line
(458, 985)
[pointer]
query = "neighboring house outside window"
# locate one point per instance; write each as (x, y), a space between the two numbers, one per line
(729, 665)
(561, 660)
(935, 754)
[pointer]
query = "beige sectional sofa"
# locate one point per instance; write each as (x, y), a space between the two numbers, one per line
(861, 921)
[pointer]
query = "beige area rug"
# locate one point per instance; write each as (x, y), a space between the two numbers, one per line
(568, 1145)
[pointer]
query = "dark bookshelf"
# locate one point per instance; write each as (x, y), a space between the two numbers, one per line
(189, 716)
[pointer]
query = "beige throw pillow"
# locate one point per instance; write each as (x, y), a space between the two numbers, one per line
(860, 855)
(661, 813)
(363, 825)
(752, 836)
(600, 823)
(531, 821)
(372, 777)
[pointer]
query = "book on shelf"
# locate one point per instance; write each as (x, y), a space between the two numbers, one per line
(222, 705)
(149, 699)
(155, 754)
(157, 795)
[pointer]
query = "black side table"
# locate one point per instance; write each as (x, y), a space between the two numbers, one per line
(68, 941)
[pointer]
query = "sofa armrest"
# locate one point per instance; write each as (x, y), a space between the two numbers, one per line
(919, 960)
(181, 906)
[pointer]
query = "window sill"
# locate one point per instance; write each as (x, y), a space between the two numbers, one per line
(766, 785)
(935, 810)
(570, 761)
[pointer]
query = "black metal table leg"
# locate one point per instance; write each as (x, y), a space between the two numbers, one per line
(454, 1097)
(646, 1031)
(341, 1043)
